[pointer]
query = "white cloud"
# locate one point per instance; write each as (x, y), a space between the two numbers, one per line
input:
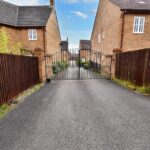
(70, 1)
(94, 11)
(76, 1)
(80, 14)
(24, 2)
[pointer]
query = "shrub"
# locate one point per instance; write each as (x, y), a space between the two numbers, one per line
(60, 66)
(6, 46)
(86, 65)
(55, 69)
(4, 40)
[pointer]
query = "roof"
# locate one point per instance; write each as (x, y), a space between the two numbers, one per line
(132, 4)
(64, 45)
(85, 44)
(24, 16)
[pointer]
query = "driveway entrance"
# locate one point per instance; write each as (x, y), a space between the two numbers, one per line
(78, 64)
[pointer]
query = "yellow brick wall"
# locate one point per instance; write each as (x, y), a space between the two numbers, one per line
(108, 24)
(134, 41)
(21, 36)
(53, 37)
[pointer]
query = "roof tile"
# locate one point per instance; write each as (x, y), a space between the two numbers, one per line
(23, 15)
(132, 4)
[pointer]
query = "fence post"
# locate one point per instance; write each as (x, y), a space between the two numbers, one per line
(145, 67)
(114, 66)
(41, 58)
(114, 61)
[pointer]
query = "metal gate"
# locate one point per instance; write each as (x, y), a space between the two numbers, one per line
(78, 64)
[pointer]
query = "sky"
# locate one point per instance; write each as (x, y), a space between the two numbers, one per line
(76, 17)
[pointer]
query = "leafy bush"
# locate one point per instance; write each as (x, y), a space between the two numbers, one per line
(4, 40)
(6, 46)
(60, 66)
(55, 69)
(86, 65)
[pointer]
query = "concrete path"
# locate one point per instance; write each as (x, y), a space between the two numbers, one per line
(78, 115)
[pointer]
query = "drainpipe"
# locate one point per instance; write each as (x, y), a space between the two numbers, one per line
(44, 46)
(122, 30)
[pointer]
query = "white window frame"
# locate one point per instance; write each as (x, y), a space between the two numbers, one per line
(32, 34)
(139, 24)
(99, 38)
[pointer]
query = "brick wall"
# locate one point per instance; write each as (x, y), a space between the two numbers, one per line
(108, 24)
(21, 35)
(85, 55)
(53, 37)
(134, 41)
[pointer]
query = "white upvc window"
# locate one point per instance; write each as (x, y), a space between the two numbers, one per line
(99, 38)
(139, 23)
(32, 34)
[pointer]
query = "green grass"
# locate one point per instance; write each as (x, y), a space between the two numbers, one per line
(5, 108)
(141, 89)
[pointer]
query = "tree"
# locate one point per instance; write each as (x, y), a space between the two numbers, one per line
(4, 40)
(6, 46)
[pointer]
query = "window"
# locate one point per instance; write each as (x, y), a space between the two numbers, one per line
(32, 33)
(139, 24)
(99, 38)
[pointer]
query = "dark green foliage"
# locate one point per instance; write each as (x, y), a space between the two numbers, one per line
(86, 65)
(60, 66)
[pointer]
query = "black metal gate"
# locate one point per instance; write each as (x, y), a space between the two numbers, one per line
(78, 64)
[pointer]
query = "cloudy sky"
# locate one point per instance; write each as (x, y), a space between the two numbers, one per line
(76, 17)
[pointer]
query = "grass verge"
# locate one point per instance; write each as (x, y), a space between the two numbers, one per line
(5, 108)
(143, 89)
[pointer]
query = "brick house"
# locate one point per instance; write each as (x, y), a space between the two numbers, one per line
(35, 27)
(85, 49)
(121, 24)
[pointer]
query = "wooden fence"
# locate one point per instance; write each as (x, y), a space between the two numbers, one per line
(17, 73)
(134, 66)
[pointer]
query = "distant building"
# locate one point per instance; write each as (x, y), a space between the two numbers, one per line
(85, 50)
(64, 45)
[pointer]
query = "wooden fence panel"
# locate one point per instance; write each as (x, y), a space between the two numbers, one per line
(134, 66)
(17, 73)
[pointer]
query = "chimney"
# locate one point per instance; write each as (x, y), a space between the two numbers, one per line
(52, 3)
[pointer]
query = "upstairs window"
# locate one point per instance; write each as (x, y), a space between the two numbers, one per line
(139, 23)
(32, 34)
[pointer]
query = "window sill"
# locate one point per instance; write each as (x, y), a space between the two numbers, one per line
(32, 39)
(138, 33)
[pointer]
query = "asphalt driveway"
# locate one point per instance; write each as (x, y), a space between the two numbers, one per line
(79, 115)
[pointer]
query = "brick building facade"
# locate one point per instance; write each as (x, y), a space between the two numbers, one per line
(123, 25)
(85, 50)
(23, 22)
(35, 27)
